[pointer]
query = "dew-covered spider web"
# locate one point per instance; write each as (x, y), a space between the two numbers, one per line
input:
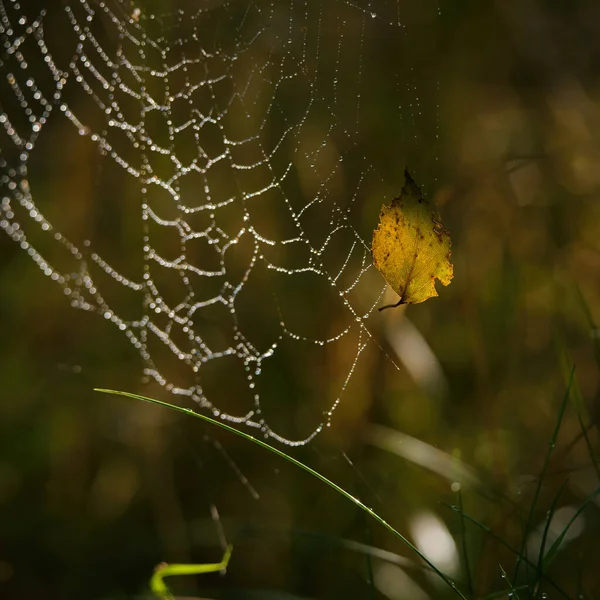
(206, 175)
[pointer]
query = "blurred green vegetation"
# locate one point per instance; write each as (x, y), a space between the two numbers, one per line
(496, 109)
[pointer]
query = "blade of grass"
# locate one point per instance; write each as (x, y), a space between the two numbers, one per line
(556, 545)
(506, 545)
(505, 593)
(532, 509)
(306, 468)
(369, 561)
(464, 545)
(578, 402)
(580, 411)
(591, 323)
(160, 589)
(540, 567)
(512, 588)
(253, 530)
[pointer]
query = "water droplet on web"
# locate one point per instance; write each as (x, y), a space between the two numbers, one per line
(175, 311)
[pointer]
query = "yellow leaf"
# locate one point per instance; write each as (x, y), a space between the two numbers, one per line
(410, 247)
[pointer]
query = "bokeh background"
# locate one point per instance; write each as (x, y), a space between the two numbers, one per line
(494, 108)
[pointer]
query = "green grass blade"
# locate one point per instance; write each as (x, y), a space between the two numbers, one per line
(538, 488)
(580, 410)
(540, 567)
(301, 465)
(591, 323)
(578, 402)
(512, 588)
(464, 546)
(505, 593)
(556, 545)
(160, 589)
(506, 545)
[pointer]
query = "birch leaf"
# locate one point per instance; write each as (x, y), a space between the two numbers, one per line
(411, 249)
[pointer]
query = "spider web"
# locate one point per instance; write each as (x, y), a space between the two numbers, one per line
(198, 178)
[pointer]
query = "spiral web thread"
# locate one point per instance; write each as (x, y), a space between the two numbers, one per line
(229, 135)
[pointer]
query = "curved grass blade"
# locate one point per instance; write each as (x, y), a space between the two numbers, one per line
(556, 545)
(512, 588)
(506, 545)
(591, 323)
(506, 593)
(540, 567)
(538, 488)
(306, 468)
(579, 411)
(464, 546)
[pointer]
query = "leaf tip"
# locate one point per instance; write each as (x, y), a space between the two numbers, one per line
(410, 187)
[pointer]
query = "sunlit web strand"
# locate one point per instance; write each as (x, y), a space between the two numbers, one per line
(235, 130)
